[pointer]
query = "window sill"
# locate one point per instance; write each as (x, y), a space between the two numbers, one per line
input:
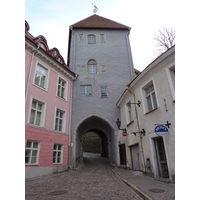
(64, 99)
(34, 164)
(130, 123)
(44, 89)
(57, 163)
(151, 111)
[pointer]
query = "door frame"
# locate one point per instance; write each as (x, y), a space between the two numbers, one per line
(153, 153)
(140, 164)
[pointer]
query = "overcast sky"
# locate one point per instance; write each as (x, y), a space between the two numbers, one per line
(52, 18)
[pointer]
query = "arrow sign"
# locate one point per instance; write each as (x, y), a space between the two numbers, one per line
(161, 130)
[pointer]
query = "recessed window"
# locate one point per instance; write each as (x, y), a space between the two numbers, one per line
(86, 90)
(102, 38)
(32, 152)
(80, 38)
(151, 98)
(171, 79)
(104, 91)
(59, 122)
(103, 68)
(42, 46)
(62, 88)
(37, 113)
(54, 53)
(41, 76)
(129, 112)
(57, 153)
(91, 39)
(59, 60)
(92, 67)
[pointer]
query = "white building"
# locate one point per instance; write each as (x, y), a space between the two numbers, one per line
(155, 89)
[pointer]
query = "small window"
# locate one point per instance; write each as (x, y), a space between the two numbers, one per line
(129, 112)
(91, 39)
(41, 76)
(59, 60)
(32, 152)
(104, 92)
(103, 68)
(54, 53)
(150, 98)
(92, 67)
(37, 113)
(42, 46)
(59, 122)
(80, 37)
(86, 90)
(102, 38)
(61, 90)
(57, 153)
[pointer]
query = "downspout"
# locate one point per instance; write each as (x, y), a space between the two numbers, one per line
(73, 68)
(142, 150)
(29, 75)
(129, 55)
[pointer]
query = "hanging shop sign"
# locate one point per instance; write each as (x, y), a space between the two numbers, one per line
(161, 130)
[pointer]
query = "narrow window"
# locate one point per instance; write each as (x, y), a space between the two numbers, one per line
(59, 122)
(57, 153)
(103, 68)
(41, 76)
(102, 38)
(129, 110)
(61, 91)
(86, 90)
(32, 152)
(36, 113)
(80, 38)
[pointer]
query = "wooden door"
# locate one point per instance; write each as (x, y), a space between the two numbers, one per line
(136, 158)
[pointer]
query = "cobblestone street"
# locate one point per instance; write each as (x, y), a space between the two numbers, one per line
(92, 180)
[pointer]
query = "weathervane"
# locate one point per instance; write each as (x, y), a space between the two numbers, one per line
(95, 8)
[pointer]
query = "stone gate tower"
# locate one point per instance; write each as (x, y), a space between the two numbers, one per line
(99, 52)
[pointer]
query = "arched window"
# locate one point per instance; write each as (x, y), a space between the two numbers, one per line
(91, 39)
(92, 67)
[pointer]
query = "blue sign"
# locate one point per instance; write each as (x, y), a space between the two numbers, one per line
(161, 130)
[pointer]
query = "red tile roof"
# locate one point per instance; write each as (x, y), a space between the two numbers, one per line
(98, 22)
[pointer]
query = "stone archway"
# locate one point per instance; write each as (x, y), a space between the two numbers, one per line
(100, 126)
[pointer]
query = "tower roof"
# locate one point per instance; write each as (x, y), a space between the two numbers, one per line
(98, 22)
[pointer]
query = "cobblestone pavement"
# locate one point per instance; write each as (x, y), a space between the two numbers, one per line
(92, 180)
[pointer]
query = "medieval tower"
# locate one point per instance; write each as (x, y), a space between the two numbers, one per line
(99, 52)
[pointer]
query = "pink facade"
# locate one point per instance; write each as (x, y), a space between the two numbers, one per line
(48, 83)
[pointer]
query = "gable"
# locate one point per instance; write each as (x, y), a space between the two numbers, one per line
(98, 22)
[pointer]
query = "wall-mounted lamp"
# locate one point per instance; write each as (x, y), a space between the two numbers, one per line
(119, 124)
(138, 103)
(142, 132)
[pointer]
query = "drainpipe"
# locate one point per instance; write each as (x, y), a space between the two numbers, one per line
(29, 75)
(129, 55)
(142, 150)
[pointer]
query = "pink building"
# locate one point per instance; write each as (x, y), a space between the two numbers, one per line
(48, 87)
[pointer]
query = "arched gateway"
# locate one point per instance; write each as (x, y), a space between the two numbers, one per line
(100, 126)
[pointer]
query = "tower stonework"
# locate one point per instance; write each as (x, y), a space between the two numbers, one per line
(99, 52)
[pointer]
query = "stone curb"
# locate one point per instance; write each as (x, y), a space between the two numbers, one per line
(138, 191)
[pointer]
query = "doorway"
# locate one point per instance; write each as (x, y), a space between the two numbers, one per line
(161, 157)
(136, 158)
(122, 154)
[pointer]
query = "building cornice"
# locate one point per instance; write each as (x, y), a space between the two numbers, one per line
(44, 56)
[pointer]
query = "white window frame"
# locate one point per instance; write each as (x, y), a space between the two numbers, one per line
(32, 149)
(128, 110)
(93, 69)
(43, 111)
(85, 93)
(63, 119)
(88, 40)
(65, 87)
(47, 76)
(170, 77)
(57, 151)
(104, 38)
(103, 86)
(143, 94)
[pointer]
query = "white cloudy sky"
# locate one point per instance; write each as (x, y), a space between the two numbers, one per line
(51, 18)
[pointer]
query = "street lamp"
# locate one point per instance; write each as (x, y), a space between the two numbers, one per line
(119, 124)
